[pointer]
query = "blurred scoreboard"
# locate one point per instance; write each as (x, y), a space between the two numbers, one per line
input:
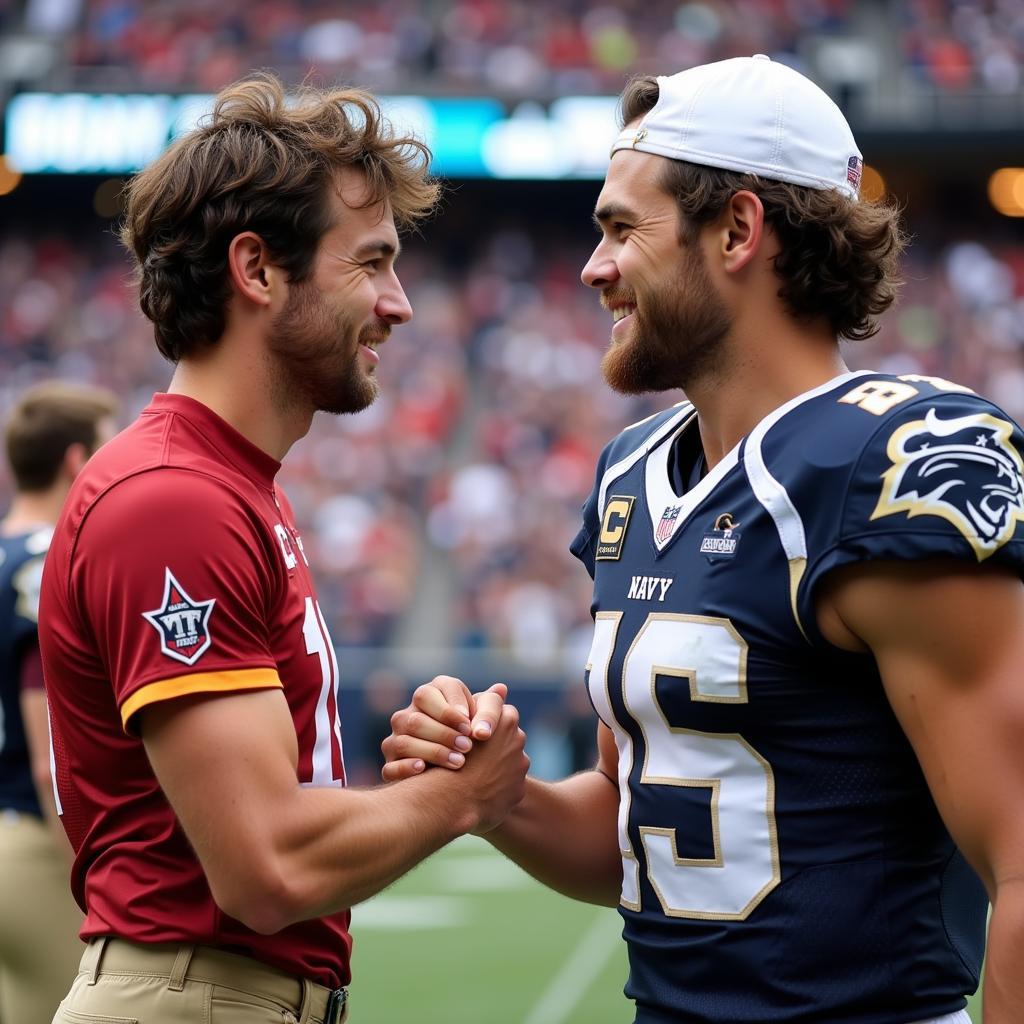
(82, 133)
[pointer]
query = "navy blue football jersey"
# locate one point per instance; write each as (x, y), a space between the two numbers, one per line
(783, 859)
(21, 569)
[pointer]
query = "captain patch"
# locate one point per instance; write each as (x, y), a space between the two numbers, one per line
(963, 469)
(183, 624)
(613, 528)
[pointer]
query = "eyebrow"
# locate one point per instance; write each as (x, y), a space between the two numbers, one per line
(377, 248)
(612, 211)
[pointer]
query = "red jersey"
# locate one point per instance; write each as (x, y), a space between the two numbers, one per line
(176, 569)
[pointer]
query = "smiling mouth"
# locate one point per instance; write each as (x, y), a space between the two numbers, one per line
(621, 312)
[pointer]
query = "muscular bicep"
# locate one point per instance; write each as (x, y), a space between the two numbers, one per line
(949, 642)
(227, 765)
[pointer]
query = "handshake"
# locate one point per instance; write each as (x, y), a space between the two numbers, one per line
(442, 726)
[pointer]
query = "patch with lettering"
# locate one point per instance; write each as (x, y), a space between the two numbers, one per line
(722, 541)
(183, 624)
(613, 527)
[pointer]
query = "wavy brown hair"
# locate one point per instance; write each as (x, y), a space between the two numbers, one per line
(838, 258)
(264, 162)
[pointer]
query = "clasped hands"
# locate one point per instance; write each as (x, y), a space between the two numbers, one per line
(442, 725)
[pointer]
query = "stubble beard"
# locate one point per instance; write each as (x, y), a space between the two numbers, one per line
(315, 351)
(676, 337)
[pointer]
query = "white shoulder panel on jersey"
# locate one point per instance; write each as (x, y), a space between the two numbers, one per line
(623, 466)
(773, 495)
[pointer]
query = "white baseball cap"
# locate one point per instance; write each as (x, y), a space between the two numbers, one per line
(755, 116)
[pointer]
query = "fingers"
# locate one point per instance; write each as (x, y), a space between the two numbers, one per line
(489, 709)
(406, 768)
(446, 700)
(414, 736)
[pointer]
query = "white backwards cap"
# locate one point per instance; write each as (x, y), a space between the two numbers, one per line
(755, 116)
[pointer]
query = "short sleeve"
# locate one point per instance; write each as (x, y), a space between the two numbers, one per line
(941, 478)
(174, 575)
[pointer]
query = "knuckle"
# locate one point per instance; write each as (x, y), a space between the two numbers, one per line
(415, 722)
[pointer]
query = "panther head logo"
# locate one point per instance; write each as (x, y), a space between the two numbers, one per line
(965, 470)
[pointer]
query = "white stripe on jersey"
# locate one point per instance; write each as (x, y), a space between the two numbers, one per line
(772, 494)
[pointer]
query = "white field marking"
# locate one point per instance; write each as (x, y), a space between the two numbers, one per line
(408, 913)
(578, 972)
(479, 873)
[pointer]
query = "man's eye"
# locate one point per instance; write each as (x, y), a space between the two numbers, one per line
(373, 264)
(619, 226)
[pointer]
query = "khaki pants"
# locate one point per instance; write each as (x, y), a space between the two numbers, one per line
(39, 921)
(127, 983)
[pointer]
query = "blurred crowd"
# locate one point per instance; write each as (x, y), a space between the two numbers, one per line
(493, 412)
(489, 46)
(964, 44)
(505, 47)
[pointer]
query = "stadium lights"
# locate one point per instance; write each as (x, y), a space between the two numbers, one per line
(9, 177)
(872, 185)
(1006, 191)
(107, 200)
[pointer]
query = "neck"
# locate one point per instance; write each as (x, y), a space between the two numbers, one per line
(33, 511)
(762, 370)
(237, 384)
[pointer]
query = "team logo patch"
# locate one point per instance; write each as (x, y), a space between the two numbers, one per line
(964, 470)
(183, 624)
(721, 542)
(613, 527)
(666, 527)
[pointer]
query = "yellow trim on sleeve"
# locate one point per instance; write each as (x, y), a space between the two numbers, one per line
(199, 682)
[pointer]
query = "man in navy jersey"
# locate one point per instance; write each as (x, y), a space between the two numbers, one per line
(809, 619)
(50, 434)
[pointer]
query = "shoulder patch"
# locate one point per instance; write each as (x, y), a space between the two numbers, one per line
(965, 470)
(183, 624)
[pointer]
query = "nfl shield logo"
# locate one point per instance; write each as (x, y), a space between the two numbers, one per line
(667, 524)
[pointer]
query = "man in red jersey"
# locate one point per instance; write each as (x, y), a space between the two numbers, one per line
(191, 677)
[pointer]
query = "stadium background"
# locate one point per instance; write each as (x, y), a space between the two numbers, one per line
(438, 521)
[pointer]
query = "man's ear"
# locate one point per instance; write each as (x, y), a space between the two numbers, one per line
(252, 273)
(75, 458)
(742, 228)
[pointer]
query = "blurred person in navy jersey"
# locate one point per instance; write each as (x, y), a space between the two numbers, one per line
(808, 613)
(51, 432)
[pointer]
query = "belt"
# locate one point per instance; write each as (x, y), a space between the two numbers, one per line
(180, 963)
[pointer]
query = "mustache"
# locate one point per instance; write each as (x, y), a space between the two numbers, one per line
(375, 333)
(611, 299)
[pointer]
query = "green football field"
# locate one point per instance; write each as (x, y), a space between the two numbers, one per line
(468, 938)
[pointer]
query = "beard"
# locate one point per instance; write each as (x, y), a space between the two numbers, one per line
(677, 335)
(315, 351)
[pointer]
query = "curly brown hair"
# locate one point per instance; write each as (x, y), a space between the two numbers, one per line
(839, 257)
(262, 163)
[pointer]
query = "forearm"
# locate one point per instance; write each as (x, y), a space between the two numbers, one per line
(565, 835)
(334, 848)
(1004, 980)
